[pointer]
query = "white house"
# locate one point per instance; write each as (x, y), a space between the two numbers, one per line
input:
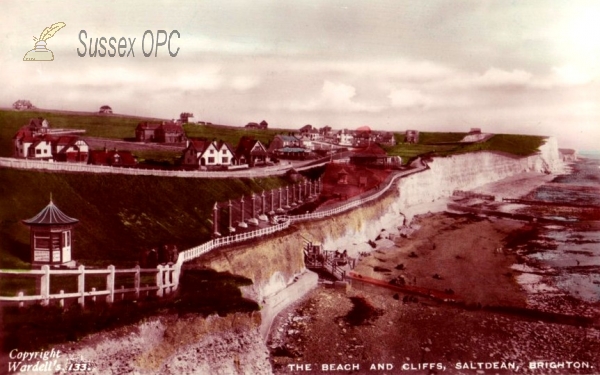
(205, 154)
(345, 138)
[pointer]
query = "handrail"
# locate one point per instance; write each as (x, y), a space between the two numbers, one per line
(167, 277)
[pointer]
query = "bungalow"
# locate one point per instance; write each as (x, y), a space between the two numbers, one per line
(70, 149)
(281, 141)
(161, 132)
(374, 155)
(251, 151)
(205, 154)
(112, 158)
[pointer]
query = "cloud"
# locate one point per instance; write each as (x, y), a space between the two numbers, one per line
(409, 98)
(335, 97)
(244, 83)
(494, 77)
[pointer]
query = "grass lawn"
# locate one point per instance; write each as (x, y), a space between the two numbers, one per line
(445, 144)
(119, 215)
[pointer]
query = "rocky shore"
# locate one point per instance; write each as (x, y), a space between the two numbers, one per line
(503, 324)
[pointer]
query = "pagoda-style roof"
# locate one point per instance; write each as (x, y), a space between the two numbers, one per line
(50, 215)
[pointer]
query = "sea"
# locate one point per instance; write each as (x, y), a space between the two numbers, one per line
(572, 241)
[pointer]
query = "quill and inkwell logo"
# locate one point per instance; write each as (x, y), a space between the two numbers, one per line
(40, 52)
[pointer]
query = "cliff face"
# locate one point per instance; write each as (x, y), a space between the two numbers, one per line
(467, 171)
(234, 344)
(273, 263)
(176, 345)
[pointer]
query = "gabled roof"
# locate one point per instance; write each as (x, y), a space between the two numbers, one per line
(148, 125)
(171, 127)
(372, 150)
(199, 145)
(247, 145)
(221, 144)
(287, 138)
(44, 138)
(64, 142)
(36, 122)
(25, 134)
(50, 215)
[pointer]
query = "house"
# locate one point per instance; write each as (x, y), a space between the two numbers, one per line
(37, 140)
(70, 149)
(374, 156)
(386, 138)
(41, 148)
(411, 136)
(113, 158)
(291, 153)
(160, 132)
(280, 141)
(251, 151)
(326, 131)
(310, 133)
(205, 154)
(345, 138)
(253, 125)
(184, 117)
(105, 110)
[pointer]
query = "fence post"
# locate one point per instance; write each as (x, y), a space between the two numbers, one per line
(94, 297)
(159, 280)
(61, 302)
(45, 285)
(168, 275)
(110, 284)
(137, 281)
(21, 303)
(81, 285)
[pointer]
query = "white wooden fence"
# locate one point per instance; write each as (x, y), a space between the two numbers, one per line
(90, 168)
(167, 277)
(164, 283)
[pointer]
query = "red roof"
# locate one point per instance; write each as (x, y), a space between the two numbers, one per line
(372, 150)
(148, 125)
(112, 157)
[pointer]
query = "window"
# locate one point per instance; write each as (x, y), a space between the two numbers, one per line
(212, 151)
(211, 160)
(225, 160)
(45, 151)
(66, 238)
(224, 151)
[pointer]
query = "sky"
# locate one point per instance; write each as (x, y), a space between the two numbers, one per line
(527, 67)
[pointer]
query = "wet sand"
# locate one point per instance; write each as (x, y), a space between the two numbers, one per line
(409, 333)
(467, 254)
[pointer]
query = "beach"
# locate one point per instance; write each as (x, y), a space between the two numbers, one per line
(499, 326)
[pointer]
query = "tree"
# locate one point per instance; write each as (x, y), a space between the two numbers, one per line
(23, 104)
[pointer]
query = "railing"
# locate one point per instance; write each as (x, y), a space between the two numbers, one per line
(89, 168)
(165, 282)
(167, 277)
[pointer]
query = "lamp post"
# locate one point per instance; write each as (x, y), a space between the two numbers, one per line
(242, 223)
